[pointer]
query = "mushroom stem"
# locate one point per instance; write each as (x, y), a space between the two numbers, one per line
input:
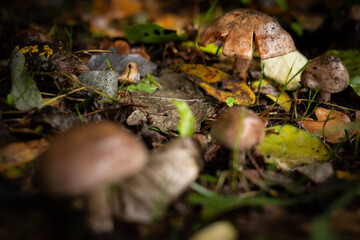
(99, 212)
(324, 96)
(241, 66)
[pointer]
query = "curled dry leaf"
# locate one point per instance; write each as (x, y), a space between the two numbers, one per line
(330, 124)
(17, 153)
(169, 172)
(68, 63)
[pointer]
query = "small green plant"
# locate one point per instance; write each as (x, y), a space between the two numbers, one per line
(9, 99)
(69, 34)
(148, 87)
(79, 114)
(230, 101)
(187, 120)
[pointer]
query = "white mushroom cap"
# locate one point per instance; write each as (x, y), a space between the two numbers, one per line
(225, 129)
(327, 73)
(91, 156)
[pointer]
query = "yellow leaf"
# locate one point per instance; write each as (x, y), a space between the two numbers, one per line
(272, 92)
(210, 79)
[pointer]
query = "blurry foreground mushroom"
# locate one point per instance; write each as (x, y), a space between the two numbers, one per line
(144, 196)
(84, 160)
(238, 128)
(326, 73)
(239, 28)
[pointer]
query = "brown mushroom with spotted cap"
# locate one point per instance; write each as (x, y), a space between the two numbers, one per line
(238, 30)
(85, 160)
(326, 73)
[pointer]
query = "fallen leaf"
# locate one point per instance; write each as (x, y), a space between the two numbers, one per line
(317, 172)
(289, 147)
(17, 153)
(278, 68)
(114, 10)
(68, 63)
(210, 78)
(24, 91)
(331, 124)
(347, 175)
(273, 93)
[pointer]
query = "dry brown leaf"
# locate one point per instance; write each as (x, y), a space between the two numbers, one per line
(17, 153)
(330, 124)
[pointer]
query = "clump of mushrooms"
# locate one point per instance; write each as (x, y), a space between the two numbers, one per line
(326, 73)
(85, 160)
(239, 28)
(238, 121)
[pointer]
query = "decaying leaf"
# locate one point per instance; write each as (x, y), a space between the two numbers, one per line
(24, 91)
(289, 147)
(168, 173)
(278, 68)
(210, 78)
(17, 153)
(317, 172)
(331, 124)
(273, 93)
(68, 63)
(157, 109)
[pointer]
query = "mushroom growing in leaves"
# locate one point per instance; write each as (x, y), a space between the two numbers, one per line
(326, 73)
(238, 128)
(85, 160)
(239, 28)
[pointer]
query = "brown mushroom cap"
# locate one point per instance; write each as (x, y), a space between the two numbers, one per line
(90, 156)
(238, 28)
(225, 129)
(327, 73)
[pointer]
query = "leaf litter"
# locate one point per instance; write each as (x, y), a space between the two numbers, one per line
(295, 169)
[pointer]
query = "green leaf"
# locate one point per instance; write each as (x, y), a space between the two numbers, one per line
(24, 91)
(9, 99)
(289, 147)
(351, 59)
(143, 86)
(230, 101)
(151, 80)
(187, 119)
(151, 33)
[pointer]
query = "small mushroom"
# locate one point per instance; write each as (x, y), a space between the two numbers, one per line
(239, 28)
(326, 73)
(85, 160)
(226, 129)
(130, 73)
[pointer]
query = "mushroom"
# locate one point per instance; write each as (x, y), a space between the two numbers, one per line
(130, 73)
(226, 130)
(85, 160)
(239, 28)
(326, 73)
